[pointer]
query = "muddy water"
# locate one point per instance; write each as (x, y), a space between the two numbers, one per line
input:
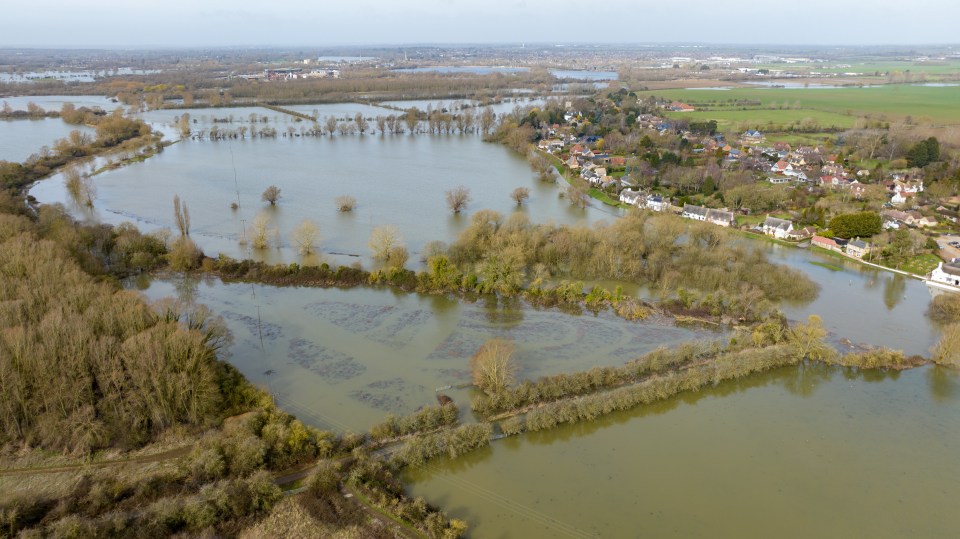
(343, 359)
(811, 452)
(398, 180)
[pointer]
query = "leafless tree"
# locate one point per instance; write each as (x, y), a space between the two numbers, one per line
(345, 203)
(305, 236)
(271, 194)
(520, 194)
(383, 239)
(493, 367)
(458, 198)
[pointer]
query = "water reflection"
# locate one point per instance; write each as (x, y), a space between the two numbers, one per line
(894, 287)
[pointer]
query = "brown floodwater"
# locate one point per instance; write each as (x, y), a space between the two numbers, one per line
(800, 452)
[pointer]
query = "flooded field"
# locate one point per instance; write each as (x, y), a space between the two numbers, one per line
(399, 180)
(343, 359)
(811, 452)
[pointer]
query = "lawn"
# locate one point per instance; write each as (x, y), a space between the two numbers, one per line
(930, 104)
(921, 265)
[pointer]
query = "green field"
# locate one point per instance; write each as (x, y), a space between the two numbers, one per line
(762, 119)
(925, 104)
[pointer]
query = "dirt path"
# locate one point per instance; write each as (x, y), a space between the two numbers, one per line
(144, 459)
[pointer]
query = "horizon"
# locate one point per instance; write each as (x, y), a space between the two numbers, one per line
(245, 24)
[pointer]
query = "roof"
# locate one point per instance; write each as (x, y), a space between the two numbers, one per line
(821, 239)
(719, 215)
(858, 244)
(953, 268)
(773, 222)
(696, 210)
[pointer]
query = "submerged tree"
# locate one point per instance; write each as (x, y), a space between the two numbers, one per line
(493, 367)
(947, 350)
(271, 194)
(383, 239)
(260, 232)
(520, 194)
(305, 236)
(458, 198)
(345, 203)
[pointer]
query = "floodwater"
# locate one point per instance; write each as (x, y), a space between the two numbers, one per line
(19, 139)
(799, 452)
(585, 75)
(344, 359)
(863, 304)
(396, 179)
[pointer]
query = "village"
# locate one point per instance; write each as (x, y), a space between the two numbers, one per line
(816, 172)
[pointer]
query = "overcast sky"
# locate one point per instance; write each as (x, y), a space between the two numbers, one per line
(185, 23)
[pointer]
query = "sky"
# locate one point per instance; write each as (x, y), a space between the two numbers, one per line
(229, 23)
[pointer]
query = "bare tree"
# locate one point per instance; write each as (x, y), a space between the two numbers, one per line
(361, 123)
(271, 194)
(345, 203)
(493, 367)
(487, 119)
(520, 194)
(458, 198)
(181, 216)
(381, 124)
(260, 232)
(412, 119)
(331, 125)
(80, 186)
(577, 196)
(305, 236)
(383, 239)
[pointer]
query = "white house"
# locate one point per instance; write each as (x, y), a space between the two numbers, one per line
(721, 217)
(694, 212)
(657, 203)
(778, 228)
(947, 273)
(634, 198)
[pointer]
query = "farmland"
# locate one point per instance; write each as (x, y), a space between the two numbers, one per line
(924, 104)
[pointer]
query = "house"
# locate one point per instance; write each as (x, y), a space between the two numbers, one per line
(779, 180)
(778, 228)
(947, 273)
(802, 233)
(677, 106)
(657, 203)
(858, 248)
(781, 167)
(950, 215)
(781, 147)
(901, 197)
(694, 212)
(825, 243)
(752, 135)
(634, 198)
(721, 217)
(618, 161)
(919, 220)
